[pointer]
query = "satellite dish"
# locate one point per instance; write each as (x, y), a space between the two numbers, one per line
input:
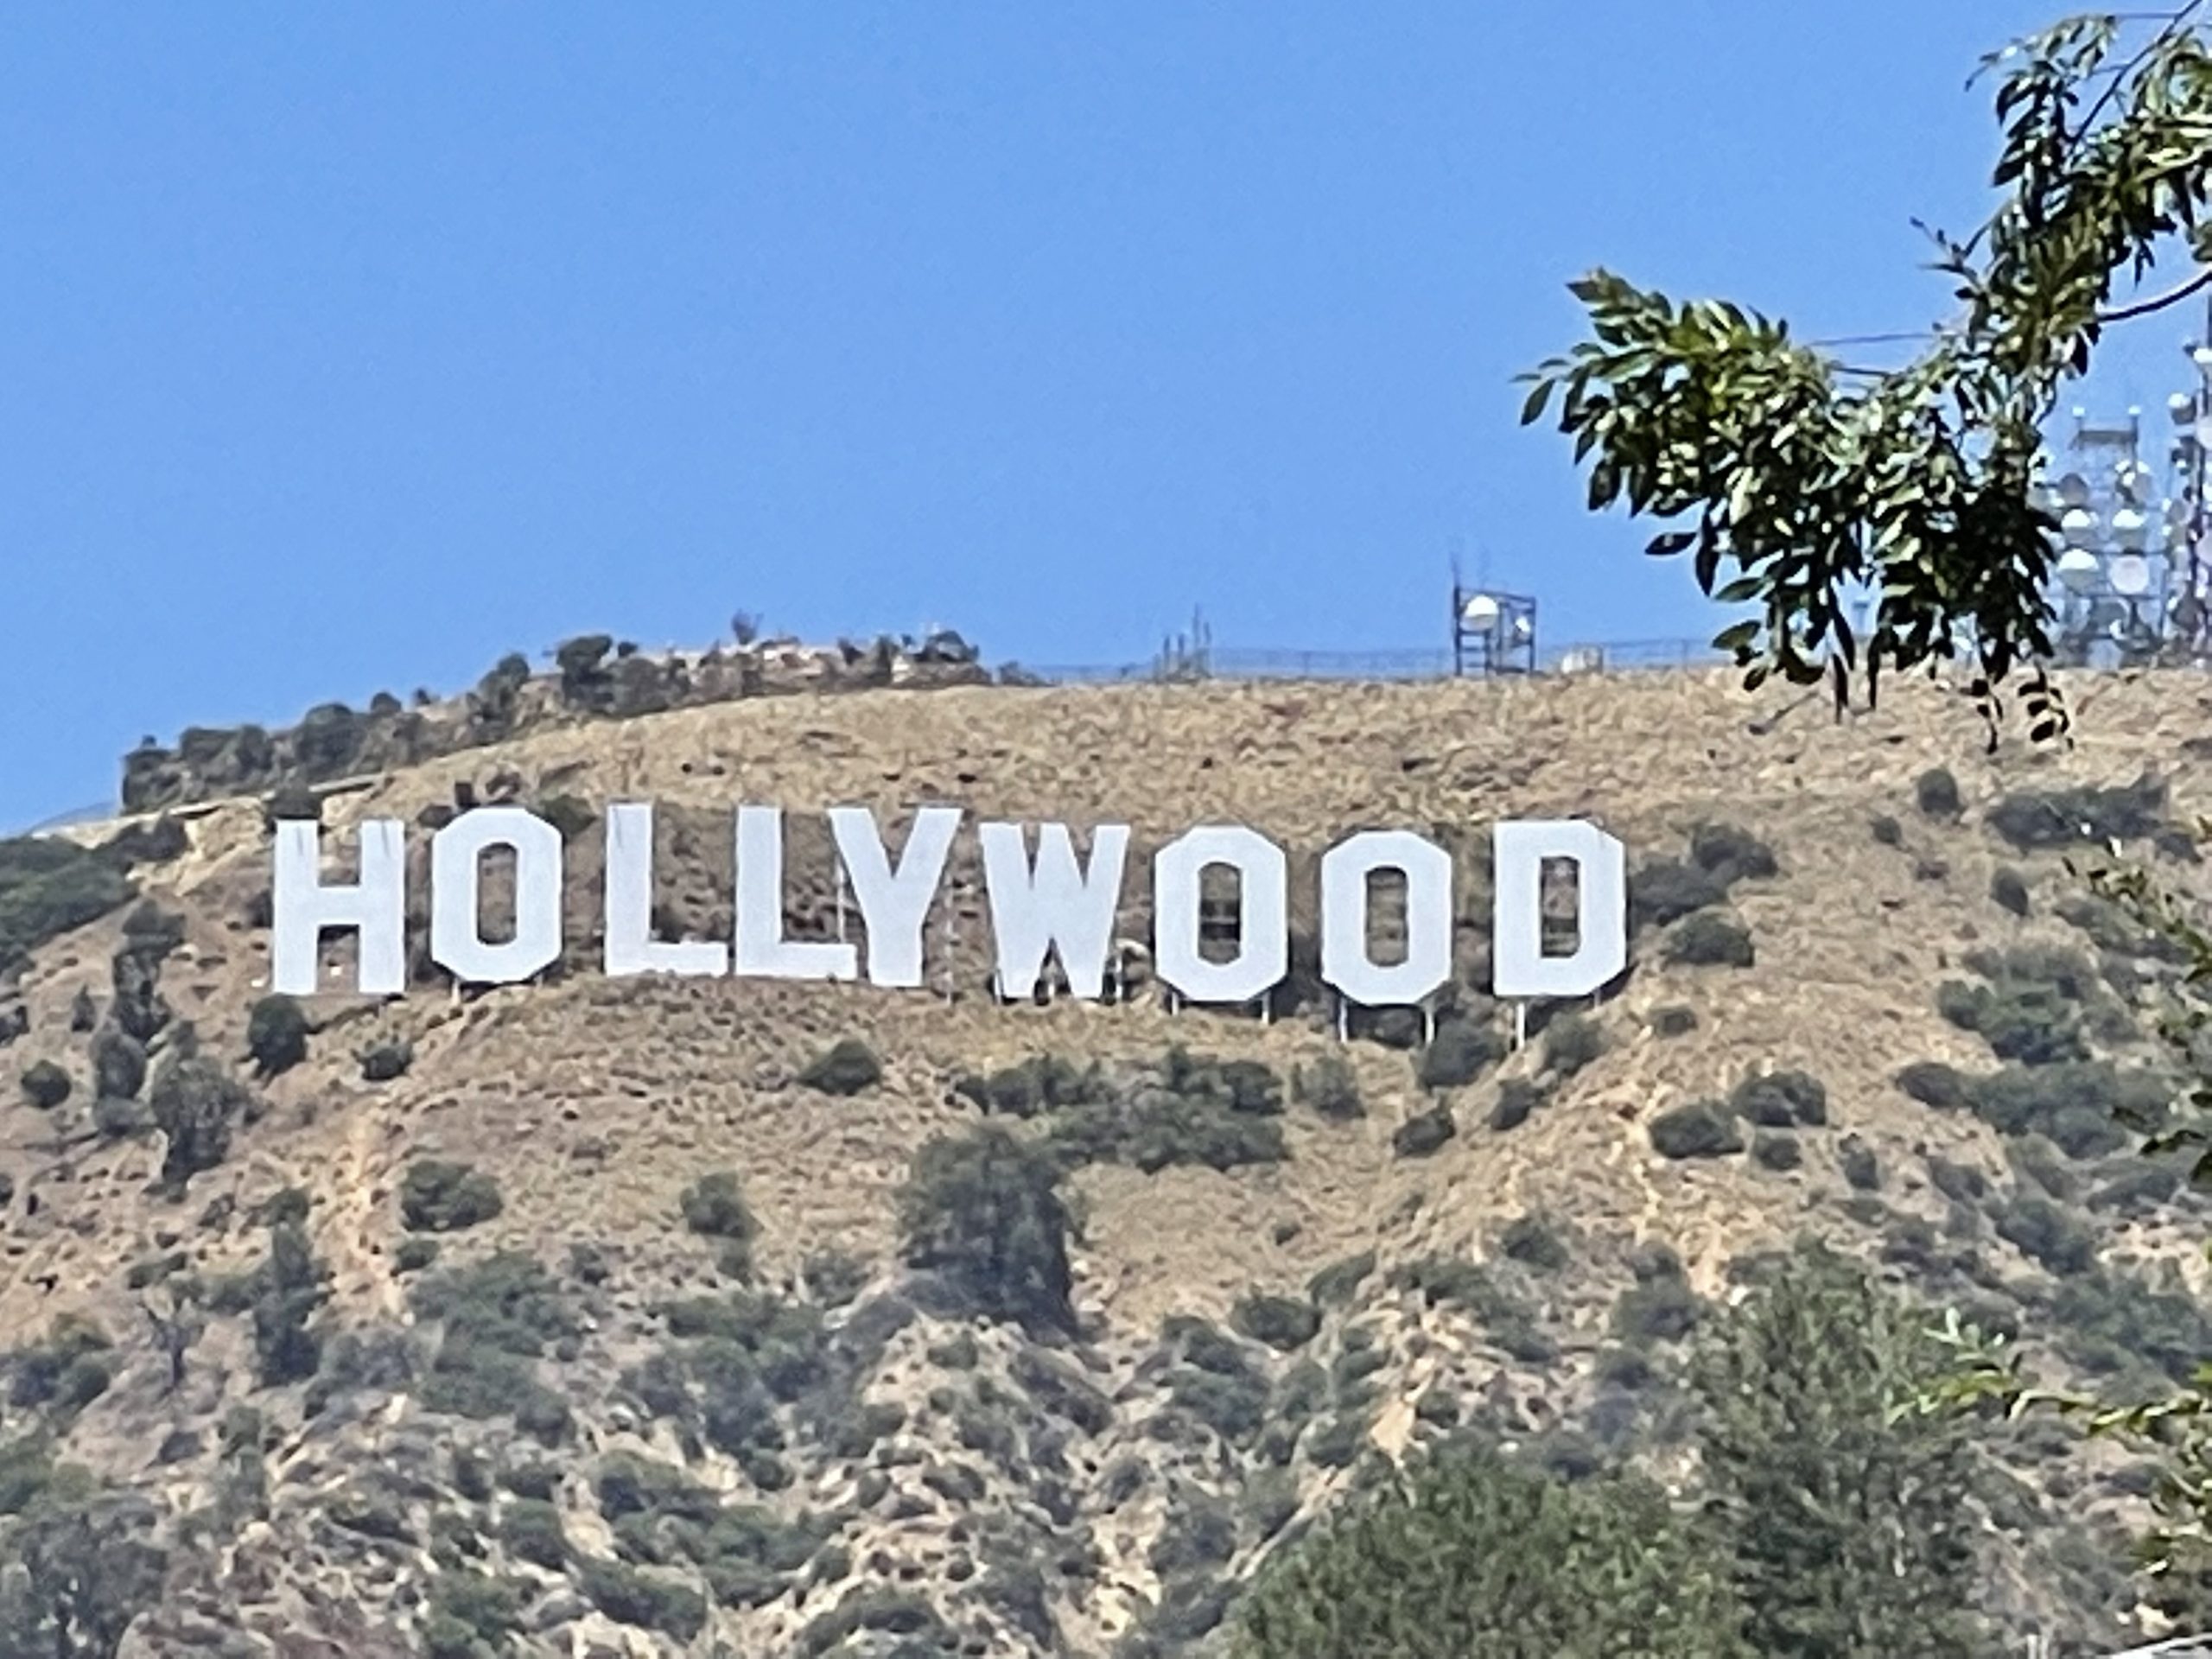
(2078, 526)
(1480, 612)
(2074, 490)
(2182, 407)
(1523, 627)
(2078, 570)
(2131, 575)
(2131, 528)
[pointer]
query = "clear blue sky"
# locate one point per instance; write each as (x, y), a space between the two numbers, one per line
(347, 348)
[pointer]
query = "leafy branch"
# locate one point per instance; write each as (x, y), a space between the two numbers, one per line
(1794, 481)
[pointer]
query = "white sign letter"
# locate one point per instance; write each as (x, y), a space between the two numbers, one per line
(1518, 965)
(1345, 963)
(894, 905)
(1263, 913)
(375, 906)
(1057, 903)
(761, 947)
(457, 851)
(630, 947)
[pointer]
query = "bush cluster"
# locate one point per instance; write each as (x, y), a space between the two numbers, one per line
(49, 885)
(438, 1196)
(1459, 1053)
(276, 1035)
(985, 1210)
(1706, 940)
(1190, 1109)
(1781, 1100)
(495, 1317)
(846, 1067)
(2032, 820)
(2088, 1109)
(1703, 1128)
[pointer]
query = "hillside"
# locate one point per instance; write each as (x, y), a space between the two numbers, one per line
(680, 1417)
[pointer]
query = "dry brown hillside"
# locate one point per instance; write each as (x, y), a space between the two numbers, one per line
(823, 1450)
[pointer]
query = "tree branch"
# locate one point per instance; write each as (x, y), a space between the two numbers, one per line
(2196, 284)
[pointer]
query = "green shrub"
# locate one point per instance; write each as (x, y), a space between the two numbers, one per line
(2034, 819)
(2081, 1107)
(834, 1277)
(882, 1609)
(119, 1119)
(1781, 1099)
(531, 1528)
(1661, 1308)
(1700, 1129)
(1459, 1053)
(1335, 1285)
(1285, 1323)
(1153, 1128)
(118, 1064)
(292, 800)
(1937, 793)
(2034, 1024)
(1961, 1183)
(571, 814)
(1731, 852)
(1455, 1281)
(1888, 831)
(195, 1103)
(1665, 890)
(413, 1255)
(1933, 1084)
(713, 1207)
(1473, 1553)
(1331, 1088)
(1042, 1083)
(496, 1316)
(1674, 1020)
(276, 1035)
(71, 1364)
(441, 1197)
(985, 1210)
(1706, 940)
(382, 1062)
(846, 1068)
(46, 1085)
(1517, 1101)
(2047, 1234)
(152, 931)
(1424, 1133)
(285, 1204)
(2008, 889)
(468, 1608)
(2112, 1319)
(1860, 1167)
(284, 1292)
(49, 885)
(1534, 1240)
(1572, 1043)
(630, 1597)
(1776, 1152)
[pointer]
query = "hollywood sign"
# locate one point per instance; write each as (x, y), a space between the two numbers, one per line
(1042, 902)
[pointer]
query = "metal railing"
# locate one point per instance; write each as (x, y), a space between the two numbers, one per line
(1173, 668)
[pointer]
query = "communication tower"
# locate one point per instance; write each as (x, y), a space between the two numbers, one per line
(1492, 633)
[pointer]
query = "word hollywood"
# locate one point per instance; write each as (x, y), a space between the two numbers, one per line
(1051, 901)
